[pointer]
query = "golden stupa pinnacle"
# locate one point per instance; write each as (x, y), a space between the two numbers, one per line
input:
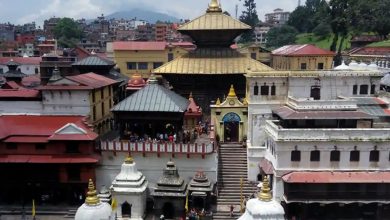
(92, 198)
(214, 6)
(232, 92)
(129, 159)
(218, 102)
(265, 193)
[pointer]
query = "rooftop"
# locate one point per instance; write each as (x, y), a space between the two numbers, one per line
(302, 50)
(21, 60)
(94, 60)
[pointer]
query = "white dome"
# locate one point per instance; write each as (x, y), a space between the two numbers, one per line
(373, 66)
(343, 66)
(102, 211)
(261, 210)
(363, 65)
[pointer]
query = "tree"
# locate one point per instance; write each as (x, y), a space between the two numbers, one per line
(67, 32)
(306, 18)
(280, 36)
(298, 19)
(249, 17)
(382, 18)
(322, 30)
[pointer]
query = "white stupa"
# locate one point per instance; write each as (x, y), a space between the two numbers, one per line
(343, 66)
(93, 209)
(129, 191)
(263, 207)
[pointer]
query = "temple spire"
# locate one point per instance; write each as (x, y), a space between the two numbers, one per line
(92, 198)
(214, 6)
(265, 193)
(129, 159)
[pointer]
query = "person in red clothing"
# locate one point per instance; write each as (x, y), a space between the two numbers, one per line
(170, 138)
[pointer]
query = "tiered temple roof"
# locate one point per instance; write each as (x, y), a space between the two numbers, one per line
(170, 184)
(200, 184)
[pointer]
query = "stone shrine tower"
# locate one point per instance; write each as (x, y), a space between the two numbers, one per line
(129, 190)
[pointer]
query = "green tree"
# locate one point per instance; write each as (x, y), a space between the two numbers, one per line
(249, 17)
(67, 32)
(382, 18)
(306, 18)
(323, 30)
(280, 36)
(298, 19)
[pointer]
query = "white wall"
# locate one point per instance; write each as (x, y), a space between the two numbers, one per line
(27, 69)
(21, 107)
(64, 102)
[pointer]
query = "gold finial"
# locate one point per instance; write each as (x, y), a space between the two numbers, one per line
(218, 102)
(129, 159)
(92, 198)
(214, 6)
(232, 92)
(190, 97)
(245, 102)
(265, 194)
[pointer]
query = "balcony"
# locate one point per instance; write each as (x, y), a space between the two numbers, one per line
(278, 133)
(310, 104)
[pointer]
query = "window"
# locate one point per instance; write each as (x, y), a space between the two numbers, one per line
(374, 155)
(94, 113)
(157, 65)
(315, 155)
(296, 155)
(264, 89)
(170, 57)
(142, 66)
(102, 94)
(273, 89)
(372, 92)
(131, 65)
(36, 70)
(72, 147)
(364, 90)
(354, 156)
(253, 56)
(320, 66)
(303, 66)
(40, 146)
(355, 88)
(335, 155)
(256, 89)
(103, 113)
(11, 146)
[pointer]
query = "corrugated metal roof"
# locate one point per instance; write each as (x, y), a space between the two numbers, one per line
(92, 79)
(94, 61)
(373, 106)
(153, 98)
(21, 60)
(302, 50)
(337, 177)
(212, 61)
(214, 21)
(290, 114)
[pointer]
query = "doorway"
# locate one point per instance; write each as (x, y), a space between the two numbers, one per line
(168, 210)
(231, 122)
(126, 210)
(315, 92)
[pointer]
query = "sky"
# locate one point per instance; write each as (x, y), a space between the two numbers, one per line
(25, 11)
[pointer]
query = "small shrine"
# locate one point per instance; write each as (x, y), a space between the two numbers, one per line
(193, 115)
(199, 191)
(230, 118)
(263, 207)
(129, 191)
(136, 82)
(170, 193)
(13, 73)
(104, 195)
(93, 208)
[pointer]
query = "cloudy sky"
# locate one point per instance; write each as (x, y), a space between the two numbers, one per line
(23, 11)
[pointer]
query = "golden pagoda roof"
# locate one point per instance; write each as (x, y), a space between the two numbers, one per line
(214, 19)
(212, 61)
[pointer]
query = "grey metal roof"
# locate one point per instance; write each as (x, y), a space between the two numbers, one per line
(153, 98)
(375, 110)
(94, 61)
(385, 80)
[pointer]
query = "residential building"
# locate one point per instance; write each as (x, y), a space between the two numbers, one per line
(27, 65)
(87, 94)
(143, 57)
(257, 52)
(302, 57)
(278, 17)
(161, 31)
(47, 158)
(261, 33)
(48, 26)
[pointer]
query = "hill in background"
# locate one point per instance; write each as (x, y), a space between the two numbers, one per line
(141, 14)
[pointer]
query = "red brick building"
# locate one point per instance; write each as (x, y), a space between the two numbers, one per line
(46, 158)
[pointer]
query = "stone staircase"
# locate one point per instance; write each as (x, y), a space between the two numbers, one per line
(232, 167)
